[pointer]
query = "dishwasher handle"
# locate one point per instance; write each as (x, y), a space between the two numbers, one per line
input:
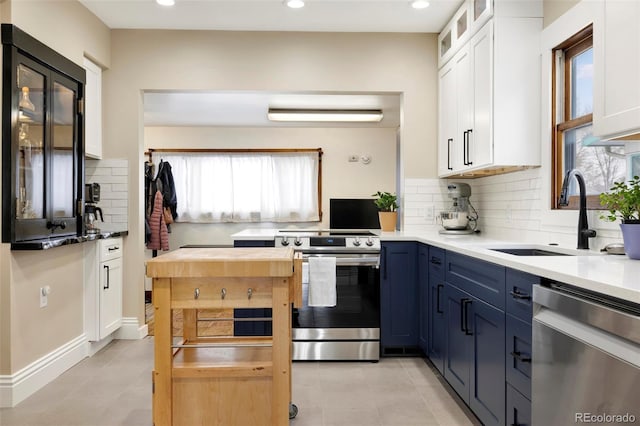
(600, 311)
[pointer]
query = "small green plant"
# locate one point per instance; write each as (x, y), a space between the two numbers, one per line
(386, 201)
(622, 201)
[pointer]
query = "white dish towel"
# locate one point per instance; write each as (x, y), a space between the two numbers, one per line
(322, 281)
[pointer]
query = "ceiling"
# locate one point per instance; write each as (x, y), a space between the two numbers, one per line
(249, 108)
(273, 15)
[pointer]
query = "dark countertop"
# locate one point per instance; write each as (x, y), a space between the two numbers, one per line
(65, 241)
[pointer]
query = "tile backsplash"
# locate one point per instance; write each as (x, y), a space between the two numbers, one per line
(113, 177)
(510, 206)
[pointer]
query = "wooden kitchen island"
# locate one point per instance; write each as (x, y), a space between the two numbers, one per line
(227, 380)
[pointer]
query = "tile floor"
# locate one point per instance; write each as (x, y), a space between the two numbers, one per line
(114, 388)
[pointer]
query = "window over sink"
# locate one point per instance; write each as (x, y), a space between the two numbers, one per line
(574, 146)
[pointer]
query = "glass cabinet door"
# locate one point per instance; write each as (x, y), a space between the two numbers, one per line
(63, 137)
(30, 168)
(42, 142)
(482, 11)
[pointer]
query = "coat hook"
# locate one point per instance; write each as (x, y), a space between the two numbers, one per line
(223, 293)
(249, 293)
(196, 293)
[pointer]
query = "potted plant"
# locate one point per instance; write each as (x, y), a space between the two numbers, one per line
(623, 202)
(387, 205)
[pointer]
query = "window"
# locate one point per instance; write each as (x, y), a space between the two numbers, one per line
(246, 186)
(574, 146)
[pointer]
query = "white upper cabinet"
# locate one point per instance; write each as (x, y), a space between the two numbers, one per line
(455, 34)
(93, 110)
(498, 102)
(616, 53)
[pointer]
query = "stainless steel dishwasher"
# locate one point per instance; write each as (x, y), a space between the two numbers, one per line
(586, 358)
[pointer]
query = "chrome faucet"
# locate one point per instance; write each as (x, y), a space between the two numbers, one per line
(584, 233)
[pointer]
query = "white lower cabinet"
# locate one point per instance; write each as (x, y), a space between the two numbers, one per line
(103, 288)
(616, 52)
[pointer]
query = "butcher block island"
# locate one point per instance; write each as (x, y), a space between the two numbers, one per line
(223, 380)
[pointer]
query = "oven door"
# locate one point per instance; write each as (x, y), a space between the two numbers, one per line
(351, 329)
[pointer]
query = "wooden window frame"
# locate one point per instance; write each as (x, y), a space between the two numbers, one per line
(575, 45)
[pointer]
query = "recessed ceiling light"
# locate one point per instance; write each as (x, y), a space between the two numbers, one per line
(419, 4)
(166, 2)
(294, 4)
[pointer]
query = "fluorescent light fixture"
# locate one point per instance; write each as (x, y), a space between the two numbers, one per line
(419, 4)
(337, 115)
(294, 4)
(166, 2)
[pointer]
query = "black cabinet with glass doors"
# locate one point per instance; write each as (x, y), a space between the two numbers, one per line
(42, 141)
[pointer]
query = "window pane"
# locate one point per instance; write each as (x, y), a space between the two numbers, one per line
(600, 166)
(63, 135)
(247, 187)
(582, 84)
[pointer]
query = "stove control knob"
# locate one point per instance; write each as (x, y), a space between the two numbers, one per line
(298, 241)
(356, 242)
(369, 242)
(285, 241)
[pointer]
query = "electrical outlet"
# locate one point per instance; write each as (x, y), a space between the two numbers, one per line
(354, 158)
(44, 295)
(429, 214)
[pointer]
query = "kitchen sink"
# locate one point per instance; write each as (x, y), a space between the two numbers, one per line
(530, 252)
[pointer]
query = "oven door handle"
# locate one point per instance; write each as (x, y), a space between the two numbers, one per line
(342, 260)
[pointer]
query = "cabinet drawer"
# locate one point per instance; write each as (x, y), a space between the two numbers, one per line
(519, 292)
(482, 279)
(518, 408)
(110, 248)
(519, 354)
(436, 263)
(220, 293)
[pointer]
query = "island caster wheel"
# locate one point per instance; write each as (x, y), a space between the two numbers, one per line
(293, 411)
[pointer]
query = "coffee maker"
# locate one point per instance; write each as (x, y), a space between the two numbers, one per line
(462, 217)
(91, 211)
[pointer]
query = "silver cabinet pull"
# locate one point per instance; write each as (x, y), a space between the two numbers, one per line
(249, 293)
(223, 293)
(196, 293)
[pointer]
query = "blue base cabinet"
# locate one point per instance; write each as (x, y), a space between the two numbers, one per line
(423, 296)
(398, 299)
(437, 334)
(475, 326)
(518, 349)
(518, 408)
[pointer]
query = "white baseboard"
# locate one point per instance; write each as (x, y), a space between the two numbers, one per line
(20, 385)
(131, 329)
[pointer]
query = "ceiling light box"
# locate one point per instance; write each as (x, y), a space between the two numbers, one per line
(336, 115)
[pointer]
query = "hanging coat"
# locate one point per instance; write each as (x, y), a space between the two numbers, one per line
(159, 236)
(168, 187)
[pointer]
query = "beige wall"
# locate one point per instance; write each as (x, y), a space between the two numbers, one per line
(340, 178)
(65, 26)
(28, 332)
(209, 60)
(553, 9)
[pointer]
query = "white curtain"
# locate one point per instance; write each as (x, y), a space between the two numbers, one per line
(247, 187)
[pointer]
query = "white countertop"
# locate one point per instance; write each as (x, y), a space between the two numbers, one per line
(612, 275)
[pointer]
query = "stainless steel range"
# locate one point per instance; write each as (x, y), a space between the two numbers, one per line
(350, 330)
